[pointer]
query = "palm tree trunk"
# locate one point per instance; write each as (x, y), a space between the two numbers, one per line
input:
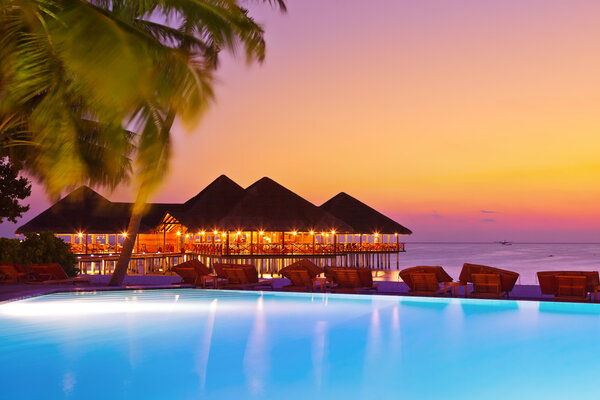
(120, 271)
(137, 212)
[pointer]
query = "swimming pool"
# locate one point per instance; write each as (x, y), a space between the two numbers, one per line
(210, 344)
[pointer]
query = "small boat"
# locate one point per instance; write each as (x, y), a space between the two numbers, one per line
(505, 243)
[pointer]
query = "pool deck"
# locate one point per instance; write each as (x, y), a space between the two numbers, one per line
(387, 284)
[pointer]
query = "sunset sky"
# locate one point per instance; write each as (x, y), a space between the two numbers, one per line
(463, 120)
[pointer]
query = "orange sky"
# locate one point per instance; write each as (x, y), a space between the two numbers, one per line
(430, 111)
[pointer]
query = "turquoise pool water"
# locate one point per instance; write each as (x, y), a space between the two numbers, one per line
(205, 344)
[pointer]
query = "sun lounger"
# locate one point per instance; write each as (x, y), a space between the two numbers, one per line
(301, 275)
(11, 273)
(425, 280)
(351, 280)
(487, 285)
(243, 276)
(571, 287)
(300, 279)
(559, 284)
(46, 274)
(490, 282)
(304, 264)
(193, 272)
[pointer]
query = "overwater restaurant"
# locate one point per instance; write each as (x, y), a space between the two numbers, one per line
(264, 222)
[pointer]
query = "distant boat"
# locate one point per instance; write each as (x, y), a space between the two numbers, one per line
(505, 243)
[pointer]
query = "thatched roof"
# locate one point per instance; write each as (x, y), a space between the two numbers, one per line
(84, 210)
(224, 205)
(269, 206)
(203, 211)
(79, 211)
(361, 217)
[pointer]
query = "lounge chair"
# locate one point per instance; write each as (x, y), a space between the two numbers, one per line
(568, 285)
(300, 279)
(11, 273)
(243, 276)
(305, 264)
(301, 275)
(193, 272)
(351, 280)
(218, 268)
(46, 274)
(488, 282)
(425, 280)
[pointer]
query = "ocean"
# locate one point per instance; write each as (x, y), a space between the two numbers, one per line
(524, 258)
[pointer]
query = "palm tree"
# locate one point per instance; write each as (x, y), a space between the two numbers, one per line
(68, 66)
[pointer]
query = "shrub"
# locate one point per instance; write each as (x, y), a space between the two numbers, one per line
(39, 248)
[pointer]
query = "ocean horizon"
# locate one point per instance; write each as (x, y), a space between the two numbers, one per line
(525, 258)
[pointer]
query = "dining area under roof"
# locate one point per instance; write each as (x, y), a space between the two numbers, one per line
(228, 222)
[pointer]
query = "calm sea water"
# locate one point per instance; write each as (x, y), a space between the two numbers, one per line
(206, 344)
(524, 258)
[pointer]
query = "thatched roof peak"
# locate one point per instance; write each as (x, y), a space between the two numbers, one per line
(203, 211)
(360, 216)
(223, 184)
(80, 210)
(270, 206)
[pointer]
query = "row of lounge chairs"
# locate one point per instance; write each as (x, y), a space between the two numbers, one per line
(302, 275)
(484, 281)
(489, 282)
(40, 274)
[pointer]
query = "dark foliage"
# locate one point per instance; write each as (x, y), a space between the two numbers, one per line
(12, 189)
(39, 249)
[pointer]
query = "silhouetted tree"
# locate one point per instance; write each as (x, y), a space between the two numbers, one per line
(12, 189)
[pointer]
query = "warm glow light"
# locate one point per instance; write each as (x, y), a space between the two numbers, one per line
(294, 233)
(376, 234)
(261, 233)
(187, 235)
(396, 234)
(223, 234)
(80, 234)
(333, 232)
(202, 233)
(239, 233)
(312, 232)
(216, 232)
(124, 234)
(178, 233)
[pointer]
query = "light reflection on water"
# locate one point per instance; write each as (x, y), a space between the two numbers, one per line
(179, 344)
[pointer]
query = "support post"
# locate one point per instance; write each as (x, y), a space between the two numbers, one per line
(227, 244)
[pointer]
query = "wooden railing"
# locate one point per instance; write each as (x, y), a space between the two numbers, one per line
(292, 248)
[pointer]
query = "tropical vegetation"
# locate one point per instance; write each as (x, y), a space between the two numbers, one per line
(89, 90)
(39, 248)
